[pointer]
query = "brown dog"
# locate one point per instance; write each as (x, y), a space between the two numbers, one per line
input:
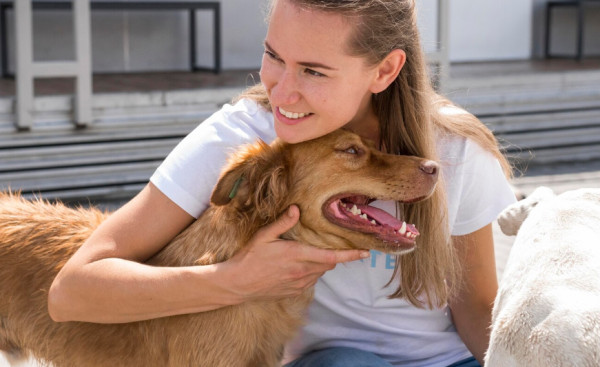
(332, 179)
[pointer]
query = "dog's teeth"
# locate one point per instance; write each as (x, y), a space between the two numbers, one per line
(402, 229)
(364, 216)
(373, 222)
(355, 210)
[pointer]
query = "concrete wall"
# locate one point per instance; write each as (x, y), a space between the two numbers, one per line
(151, 40)
(482, 30)
(490, 30)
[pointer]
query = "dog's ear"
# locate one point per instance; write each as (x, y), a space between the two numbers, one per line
(228, 186)
(256, 177)
(513, 216)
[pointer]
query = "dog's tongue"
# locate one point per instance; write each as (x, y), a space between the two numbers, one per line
(380, 216)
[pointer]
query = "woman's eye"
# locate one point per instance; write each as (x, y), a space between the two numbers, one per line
(271, 55)
(313, 73)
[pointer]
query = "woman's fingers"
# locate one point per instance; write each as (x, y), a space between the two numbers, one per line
(270, 267)
(307, 253)
(332, 257)
(284, 223)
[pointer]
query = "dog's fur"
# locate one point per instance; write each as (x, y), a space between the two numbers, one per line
(547, 312)
(36, 239)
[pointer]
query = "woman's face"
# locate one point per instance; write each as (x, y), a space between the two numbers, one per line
(313, 85)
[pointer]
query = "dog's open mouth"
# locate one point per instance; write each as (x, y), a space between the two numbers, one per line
(354, 212)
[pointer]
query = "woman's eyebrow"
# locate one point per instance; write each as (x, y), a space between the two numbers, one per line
(308, 64)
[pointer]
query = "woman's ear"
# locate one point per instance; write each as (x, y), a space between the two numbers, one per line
(387, 70)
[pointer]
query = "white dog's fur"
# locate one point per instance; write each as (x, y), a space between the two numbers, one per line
(547, 312)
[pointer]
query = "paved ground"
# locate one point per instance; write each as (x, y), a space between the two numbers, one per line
(560, 178)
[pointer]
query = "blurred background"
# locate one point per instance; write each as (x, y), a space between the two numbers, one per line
(94, 96)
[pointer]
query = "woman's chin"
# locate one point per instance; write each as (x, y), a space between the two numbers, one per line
(303, 131)
(290, 136)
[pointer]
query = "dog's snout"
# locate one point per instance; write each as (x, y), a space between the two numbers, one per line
(429, 167)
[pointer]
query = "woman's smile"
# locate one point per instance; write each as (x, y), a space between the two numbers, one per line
(292, 115)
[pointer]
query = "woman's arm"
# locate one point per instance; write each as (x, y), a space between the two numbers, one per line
(106, 282)
(472, 308)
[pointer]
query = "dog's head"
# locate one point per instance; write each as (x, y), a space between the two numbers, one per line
(332, 179)
(511, 218)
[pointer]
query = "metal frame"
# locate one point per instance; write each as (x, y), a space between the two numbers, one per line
(579, 5)
(190, 6)
(27, 69)
(440, 57)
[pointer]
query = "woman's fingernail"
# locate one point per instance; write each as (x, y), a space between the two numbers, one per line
(365, 254)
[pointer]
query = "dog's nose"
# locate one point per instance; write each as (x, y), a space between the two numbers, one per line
(429, 167)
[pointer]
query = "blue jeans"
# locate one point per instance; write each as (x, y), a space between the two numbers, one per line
(350, 357)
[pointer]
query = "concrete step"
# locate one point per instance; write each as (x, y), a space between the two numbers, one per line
(111, 158)
(104, 180)
(554, 155)
(563, 119)
(55, 112)
(549, 137)
(114, 157)
(125, 130)
(560, 179)
(527, 93)
(540, 120)
(84, 154)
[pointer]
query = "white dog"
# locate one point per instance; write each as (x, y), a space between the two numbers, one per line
(547, 312)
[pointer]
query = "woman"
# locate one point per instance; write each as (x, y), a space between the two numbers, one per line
(327, 64)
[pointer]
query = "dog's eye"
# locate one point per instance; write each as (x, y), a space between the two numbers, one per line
(352, 150)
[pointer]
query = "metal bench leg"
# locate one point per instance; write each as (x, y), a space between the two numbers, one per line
(83, 95)
(193, 66)
(217, 40)
(547, 31)
(580, 22)
(3, 40)
(24, 65)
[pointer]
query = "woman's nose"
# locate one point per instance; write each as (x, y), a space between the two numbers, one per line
(285, 89)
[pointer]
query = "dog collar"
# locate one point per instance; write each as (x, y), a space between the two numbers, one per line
(236, 185)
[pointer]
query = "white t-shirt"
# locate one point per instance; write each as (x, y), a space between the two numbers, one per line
(351, 307)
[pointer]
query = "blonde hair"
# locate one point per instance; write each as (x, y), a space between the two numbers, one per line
(410, 121)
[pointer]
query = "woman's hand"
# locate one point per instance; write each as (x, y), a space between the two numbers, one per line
(270, 267)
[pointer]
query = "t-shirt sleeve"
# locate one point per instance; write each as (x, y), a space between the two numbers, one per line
(189, 173)
(484, 190)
